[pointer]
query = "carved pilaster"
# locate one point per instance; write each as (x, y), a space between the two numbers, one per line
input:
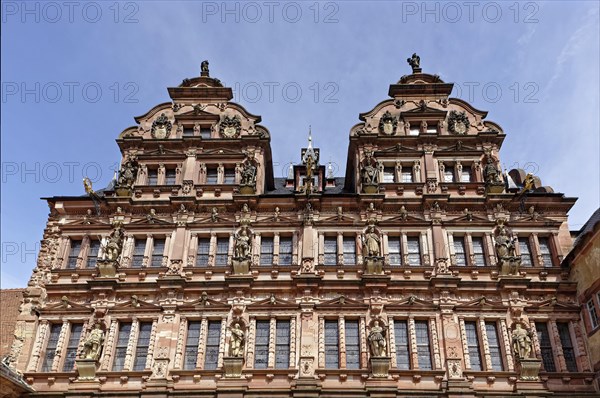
(562, 365)
(413, 342)
(177, 363)
(392, 344)
(342, 340)
(272, 332)
(363, 342)
(108, 347)
(128, 363)
(463, 333)
(151, 344)
(582, 358)
(486, 345)
(251, 341)
(64, 331)
(507, 345)
(222, 342)
(202, 343)
(293, 342)
(437, 360)
(321, 342)
(37, 347)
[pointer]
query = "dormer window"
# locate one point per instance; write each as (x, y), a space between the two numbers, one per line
(170, 176)
(188, 131)
(414, 129)
(388, 174)
(152, 177)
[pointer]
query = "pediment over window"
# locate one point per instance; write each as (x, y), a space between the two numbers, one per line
(272, 303)
(342, 302)
(481, 303)
(552, 305)
(66, 305)
(204, 303)
(135, 304)
(411, 302)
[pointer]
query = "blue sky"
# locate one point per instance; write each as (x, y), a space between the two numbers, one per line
(74, 76)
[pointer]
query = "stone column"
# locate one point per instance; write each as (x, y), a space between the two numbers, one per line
(392, 342)
(108, 346)
(44, 327)
(414, 355)
(64, 331)
(179, 349)
(272, 332)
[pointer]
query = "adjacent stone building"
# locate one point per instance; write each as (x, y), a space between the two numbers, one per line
(423, 271)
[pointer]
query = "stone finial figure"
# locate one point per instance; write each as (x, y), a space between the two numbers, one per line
(414, 62)
(521, 342)
(236, 344)
(92, 347)
(371, 242)
(204, 68)
(114, 246)
(242, 245)
(377, 341)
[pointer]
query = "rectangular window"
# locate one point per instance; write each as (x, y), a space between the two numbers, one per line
(545, 252)
(170, 176)
(188, 131)
(282, 345)
(423, 347)
(545, 346)
(352, 345)
(152, 176)
(407, 175)
(141, 349)
(139, 247)
(229, 177)
(449, 174)
(121, 347)
(388, 174)
(203, 252)
(478, 252)
(330, 254)
(212, 345)
(261, 345)
(332, 353)
(525, 252)
(73, 254)
(432, 128)
(465, 175)
(222, 250)
(414, 130)
(349, 250)
(157, 252)
(211, 176)
(593, 314)
(473, 345)
(395, 252)
(92, 256)
(494, 345)
(285, 251)
(459, 250)
(414, 250)
(266, 251)
(567, 346)
(402, 344)
(191, 345)
(51, 347)
(72, 345)
(205, 132)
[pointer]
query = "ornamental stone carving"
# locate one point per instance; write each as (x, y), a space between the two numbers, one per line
(369, 173)
(506, 251)
(458, 123)
(248, 176)
(237, 341)
(92, 346)
(242, 251)
(127, 176)
(377, 340)
(491, 176)
(521, 342)
(388, 123)
(230, 127)
(161, 127)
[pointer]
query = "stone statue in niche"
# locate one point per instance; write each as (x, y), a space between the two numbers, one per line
(371, 241)
(242, 244)
(230, 127)
(161, 127)
(369, 173)
(506, 251)
(387, 124)
(491, 176)
(248, 176)
(236, 343)
(127, 175)
(114, 245)
(377, 342)
(92, 346)
(521, 342)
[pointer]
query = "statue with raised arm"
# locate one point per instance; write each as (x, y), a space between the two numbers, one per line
(114, 246)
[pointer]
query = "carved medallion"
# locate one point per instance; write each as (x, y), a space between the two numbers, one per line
(387, 124)
(458, 123)
(230, 127)
(161, 127)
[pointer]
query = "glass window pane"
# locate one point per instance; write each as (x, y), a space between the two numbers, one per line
(394, 249)
(121, 347)
(525, 252)
(473, 345)
(205, 132)
(465, 176)
(349, 250)
(388, 174)
(414, 250)
(188, 131)
(330, 255)
(545, 346)
(494, 345)
(152, 176)
(449, 174)
(261, 345)
(170, 176)
(407, 175)
(211, 176)
(282, 345)
(211, 355)
(285, 251)
(191, 345)
(139, 247)
(266, 251)
(478, 252)
(203, 252)
(222, 250)
(592, 314)
(157, 252)
(332, 360)
(92, 256)
(567, 346)
(423, 347)
(51, 347)
(229, 176)
(545, 252)
(73, 254)
(141, 350)
(459, 250)
(402, 344)
(352, 345)
(72, 346)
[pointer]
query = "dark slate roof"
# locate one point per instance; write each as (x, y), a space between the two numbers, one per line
(280, 188)
(584, 234)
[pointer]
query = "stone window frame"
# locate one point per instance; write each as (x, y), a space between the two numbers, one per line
(413, 351)
(398, 165)
(458, 169)
(205, 320)
(489, 253)
(532, 237)
(148, 249)
(575, 334)
(485, 357)
(81, 260)
(221, 171)
(272, 320)
(110, 348)
(425, 245)
(160, 169)
(76, 347)
(341, 319)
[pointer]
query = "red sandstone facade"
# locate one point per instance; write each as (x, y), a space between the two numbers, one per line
(406, 277)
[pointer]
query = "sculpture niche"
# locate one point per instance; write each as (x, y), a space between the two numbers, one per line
(491, 176)
(380, 362)
(371, 244)
(108, 265)
(505, 250)
(522, 345)
(90, 354)
(369, 173)
(127, 176)
(242, 252)
(232, 364)
(248, 176)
